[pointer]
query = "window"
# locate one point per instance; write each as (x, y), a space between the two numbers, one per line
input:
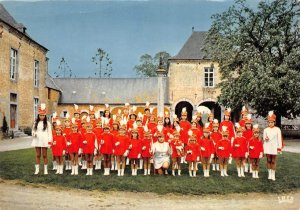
(13, 97)
(35, 106)
(209, 79)
(36, 73)
(13, 63)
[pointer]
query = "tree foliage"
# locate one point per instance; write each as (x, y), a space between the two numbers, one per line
(148, 64)
(64, 70)
(258, 51)
(103, 63)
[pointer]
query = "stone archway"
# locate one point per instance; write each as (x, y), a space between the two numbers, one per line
(189, 109)
(214, 107)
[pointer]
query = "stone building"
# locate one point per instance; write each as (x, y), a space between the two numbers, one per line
(23, 69)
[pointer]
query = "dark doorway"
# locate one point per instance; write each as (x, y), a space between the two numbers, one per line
(189, 109)
(13, 116)
(214, 107)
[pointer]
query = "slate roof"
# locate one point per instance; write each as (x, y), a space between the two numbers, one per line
(51, 84)
(19, 27)
(193, 47)
(111, 91)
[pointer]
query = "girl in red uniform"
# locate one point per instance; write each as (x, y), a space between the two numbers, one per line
(199, 120)
(255, 151)
(121, 143)
(226, 122)
(167, 126)
(66, 132)
(192, 153)
(77, 116)
(73, 142)
(89, 146)
(198, 132)
(223, 150)
(177, 151)
(210, 121)
(239, 150)
(114, 131)
(147, 114)
(152, 123)
(207, 148)
(244, 114)
(106, 147)
(215, 136)
(185, 125)
(98, 131)
(59, 147)
(135, 150)
(248, 134)
(146, 150)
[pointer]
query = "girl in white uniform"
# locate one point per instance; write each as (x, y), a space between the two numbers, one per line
(272, 144)
(42, 138)
(161, 152)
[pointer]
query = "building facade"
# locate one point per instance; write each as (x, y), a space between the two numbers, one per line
(23, 68)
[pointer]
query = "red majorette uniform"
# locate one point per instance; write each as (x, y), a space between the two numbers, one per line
(108, 143)
(255, 147)
(98, 131)
(146, 147)
(177, 147)
(248, 133)
(240, 147)
(136, 148)
(207, 147)
(121, 144)
(223, 148)
(58, 145)
(216, 137)
(195, 152)
(198, 133)
(244, 113)
(88, 143)
(74, 141)
(211, 115)
(186, 126)
(77, 120)
(228, 124)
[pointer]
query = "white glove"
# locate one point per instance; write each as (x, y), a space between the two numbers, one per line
(143, 148)
(117, 143)
(130, 146)
(246, 155)
(198, 159)
(85, 142)
(126, 153)
(221, 148)
(261, 155)
(202, 148)
(189, 152)
(230, 160)
(139, 156)
(95, 152)
(212, 156)
(237, 145)
(64, 152)
(102, 141)
(69, 143)
(251, 147)
(129, 129)
(80, 151)
(54, 142)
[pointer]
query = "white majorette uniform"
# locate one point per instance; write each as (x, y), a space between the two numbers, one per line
(42, 137)
(274, 142)
(161, 152)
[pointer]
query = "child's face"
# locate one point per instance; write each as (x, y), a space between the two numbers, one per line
(167, 120)
(210, 119)
(67, 123)
(239, 133)
(215, 128)
(106, 130)
(183, 117)
(125, 111)
(194, 125)
(192, 141)
(225, 136)
(122, 131)
(152, 119)
(58, 132)
(160, 122)
(256, 134)
(139, 123)
(226, 117)
(76, 116)
(98, 125)
(206, 134)
(271, 124)
(74, 129)
(132, 117)
(134, 135)
(92, 116)
(248, 125)
(115, 126)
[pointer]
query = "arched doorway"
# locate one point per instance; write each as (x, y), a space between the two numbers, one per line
(189, 109)
(215, 109)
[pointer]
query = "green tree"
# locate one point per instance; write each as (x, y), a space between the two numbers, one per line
(64, 70)
(148, 64)
(258, 51)
(103, 63)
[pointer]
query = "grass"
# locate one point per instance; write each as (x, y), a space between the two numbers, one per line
(20, 165)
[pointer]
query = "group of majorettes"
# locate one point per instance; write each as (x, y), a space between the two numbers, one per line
(127, 137)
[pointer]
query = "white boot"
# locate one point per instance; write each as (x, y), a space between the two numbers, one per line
(79, 161)
(222, 172)
(218, 167)
(190, 173)
(73, 170)
(204, 172)
(87, 172)
(242, 172)
(58, 169)
(122, 172)
(173, 172)
(213, 167)
(149, 171)
(112, 165)
(67, 165)
(246, 167)
(108, 171)
(76, 170)
(257, 177)
(179, 172)
(194, 173)
(54, 165)
(91, 171)
(100, 164)
(96, 164)
(166, 172)
(37, 169)
(127, 161)
(207, 172)
(250, 169)
(253, 174)
(239, 171)
(145, 172)
(273, 175)
(61, 169)
(141, 164)
(225, 172)
(45, 169)
(269, 173)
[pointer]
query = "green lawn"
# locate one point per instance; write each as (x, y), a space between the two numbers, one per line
(20, 165)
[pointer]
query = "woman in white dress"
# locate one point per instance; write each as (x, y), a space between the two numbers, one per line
(161, 154)
(272, 144)
(42, 138)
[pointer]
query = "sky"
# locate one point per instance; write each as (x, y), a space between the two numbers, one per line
(124, 29)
